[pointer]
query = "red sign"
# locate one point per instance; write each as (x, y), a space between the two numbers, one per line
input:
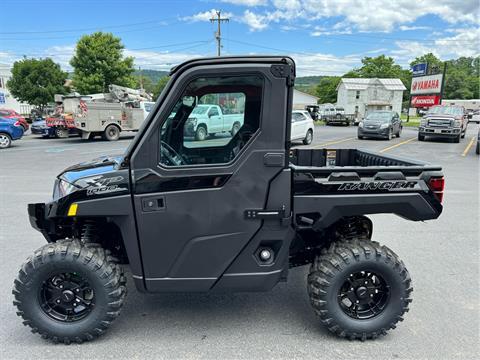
(425, 101)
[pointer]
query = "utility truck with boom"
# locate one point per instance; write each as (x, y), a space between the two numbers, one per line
(231, 215)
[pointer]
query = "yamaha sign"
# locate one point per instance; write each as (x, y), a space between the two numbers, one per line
(431, 84)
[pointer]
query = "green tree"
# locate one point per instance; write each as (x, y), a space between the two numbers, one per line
(36, 81)
(326, 90)
(144, 82)
(98, 62)
(433, 62)
(159, 86)
(378, 67)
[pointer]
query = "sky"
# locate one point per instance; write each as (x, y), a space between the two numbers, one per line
(325, 37)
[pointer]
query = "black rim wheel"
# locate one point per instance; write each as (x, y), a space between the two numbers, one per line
(363, 295)
(67, 297)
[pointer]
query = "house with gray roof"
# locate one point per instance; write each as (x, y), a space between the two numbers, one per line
(360, 96)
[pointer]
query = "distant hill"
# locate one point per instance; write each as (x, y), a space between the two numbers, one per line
(308, 80)
(154, 75)
(307, 84)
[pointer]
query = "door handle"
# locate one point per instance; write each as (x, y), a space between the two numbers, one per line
(153, 204)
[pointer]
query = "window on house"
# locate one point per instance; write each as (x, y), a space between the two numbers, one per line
(357, 94)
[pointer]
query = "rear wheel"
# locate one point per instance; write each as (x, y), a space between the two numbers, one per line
(477, 150)
(5, 141)
(308, 137)
(359, 289)
(111, 133)
(69, 291)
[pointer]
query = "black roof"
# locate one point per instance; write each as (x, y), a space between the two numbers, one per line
(233, 60)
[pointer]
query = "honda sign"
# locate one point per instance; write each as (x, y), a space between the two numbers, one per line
(425, 101)
(431, 84)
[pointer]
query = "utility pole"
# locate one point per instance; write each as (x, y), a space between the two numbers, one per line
(141, 77)
(218, 34)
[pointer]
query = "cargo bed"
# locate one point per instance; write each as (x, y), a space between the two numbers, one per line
(330, 184)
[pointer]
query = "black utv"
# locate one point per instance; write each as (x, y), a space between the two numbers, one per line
(231, 213)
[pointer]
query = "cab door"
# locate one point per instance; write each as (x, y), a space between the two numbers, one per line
(215, 120)
(191, 198)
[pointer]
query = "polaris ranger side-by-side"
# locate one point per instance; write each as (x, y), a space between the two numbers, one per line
(230, 214)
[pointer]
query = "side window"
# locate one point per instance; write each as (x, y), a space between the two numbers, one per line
(213, 112)
(212, 121)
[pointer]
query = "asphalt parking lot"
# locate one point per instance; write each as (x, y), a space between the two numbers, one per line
(441, 255)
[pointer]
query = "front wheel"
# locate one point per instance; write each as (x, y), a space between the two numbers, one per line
(308, 137)
(69, 292)
(359, 289)
(421, 137)
(201, 133)
(5, 141)
(390, 134)
(61, 132)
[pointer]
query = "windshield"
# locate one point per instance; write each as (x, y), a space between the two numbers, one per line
(380, 116)
(199, 110)
(446, 110)
(148, 106)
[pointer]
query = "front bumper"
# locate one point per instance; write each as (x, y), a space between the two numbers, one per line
(439, 132)
(41, 131)
(379, 133)
(38, 216)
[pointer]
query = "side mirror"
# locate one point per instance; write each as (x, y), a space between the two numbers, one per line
(189, 101)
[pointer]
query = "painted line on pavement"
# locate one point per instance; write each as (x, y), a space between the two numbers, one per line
(333, 142)
(396, 145)
(470, 144)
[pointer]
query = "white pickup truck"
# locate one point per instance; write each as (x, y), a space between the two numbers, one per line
(208, 120)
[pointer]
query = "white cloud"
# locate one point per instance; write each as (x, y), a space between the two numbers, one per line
(246, 2)
(372, 15)
(324, 64)
(205, 16)
(464, 42)
(412, 28)
(164, 60)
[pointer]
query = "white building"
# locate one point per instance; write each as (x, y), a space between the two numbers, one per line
(359, 96)
(7, 101)
(301, 99)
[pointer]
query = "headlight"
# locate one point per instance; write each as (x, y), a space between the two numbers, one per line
(384, 126)
(360, 124)
(192, 121)
(423, 122)
(63, 188)
(457, 123)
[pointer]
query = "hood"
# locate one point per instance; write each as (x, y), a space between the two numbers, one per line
(93, 167)
(441, 116)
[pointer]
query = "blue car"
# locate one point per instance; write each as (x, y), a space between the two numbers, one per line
(39, 127)
(10, 129)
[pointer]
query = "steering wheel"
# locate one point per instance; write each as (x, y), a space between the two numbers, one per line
(173, 157)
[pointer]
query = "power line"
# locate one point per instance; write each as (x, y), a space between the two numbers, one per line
(218, 34)
(84, 29)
